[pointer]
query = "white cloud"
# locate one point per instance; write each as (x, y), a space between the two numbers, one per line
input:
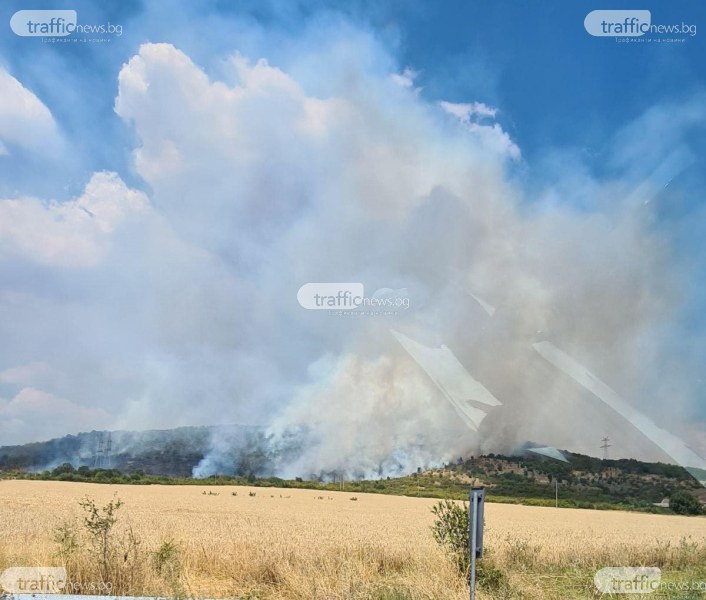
(475, 117)
(30, 374)
(24, 120)
(37, 415)
(495, 138)
(465, 112)
(406, 78)
(75, 233)
(263, 133)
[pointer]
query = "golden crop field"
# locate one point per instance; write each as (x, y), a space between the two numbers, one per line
(293, 544)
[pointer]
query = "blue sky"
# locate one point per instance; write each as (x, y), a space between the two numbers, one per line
(562, 131)
(529, 59)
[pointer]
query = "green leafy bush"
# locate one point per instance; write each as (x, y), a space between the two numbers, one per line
(450, 531)
(684, 503)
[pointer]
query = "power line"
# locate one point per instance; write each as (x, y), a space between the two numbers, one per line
(103, 454)
(605, 447)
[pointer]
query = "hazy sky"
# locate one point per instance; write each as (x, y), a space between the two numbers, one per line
(165, 192)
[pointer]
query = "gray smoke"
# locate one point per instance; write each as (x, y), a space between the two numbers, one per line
(334, 167)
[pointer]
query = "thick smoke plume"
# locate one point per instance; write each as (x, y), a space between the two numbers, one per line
(336, 167)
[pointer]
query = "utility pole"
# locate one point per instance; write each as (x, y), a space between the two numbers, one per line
(98, 456)
(108, 451)
(556, 493)
(605, 447)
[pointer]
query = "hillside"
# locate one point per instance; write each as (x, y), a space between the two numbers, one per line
(584, 481)
(170, 452)
(170, 456)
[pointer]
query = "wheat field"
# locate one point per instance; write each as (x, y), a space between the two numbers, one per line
(289, 544)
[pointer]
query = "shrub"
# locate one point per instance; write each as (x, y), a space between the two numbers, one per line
(99, 523)
(64, 468)
(66, 539)
(684, 503)
(99, 552)
(450, 531)
(166, 561)
(519, 553)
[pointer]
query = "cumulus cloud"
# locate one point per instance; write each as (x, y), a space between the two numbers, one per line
(24, 120)
(35, 415)
(71, 234)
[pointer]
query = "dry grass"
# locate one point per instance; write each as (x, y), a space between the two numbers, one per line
(301, 544)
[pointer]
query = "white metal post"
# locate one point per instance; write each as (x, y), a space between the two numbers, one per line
(475, 533)
(474, 526)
